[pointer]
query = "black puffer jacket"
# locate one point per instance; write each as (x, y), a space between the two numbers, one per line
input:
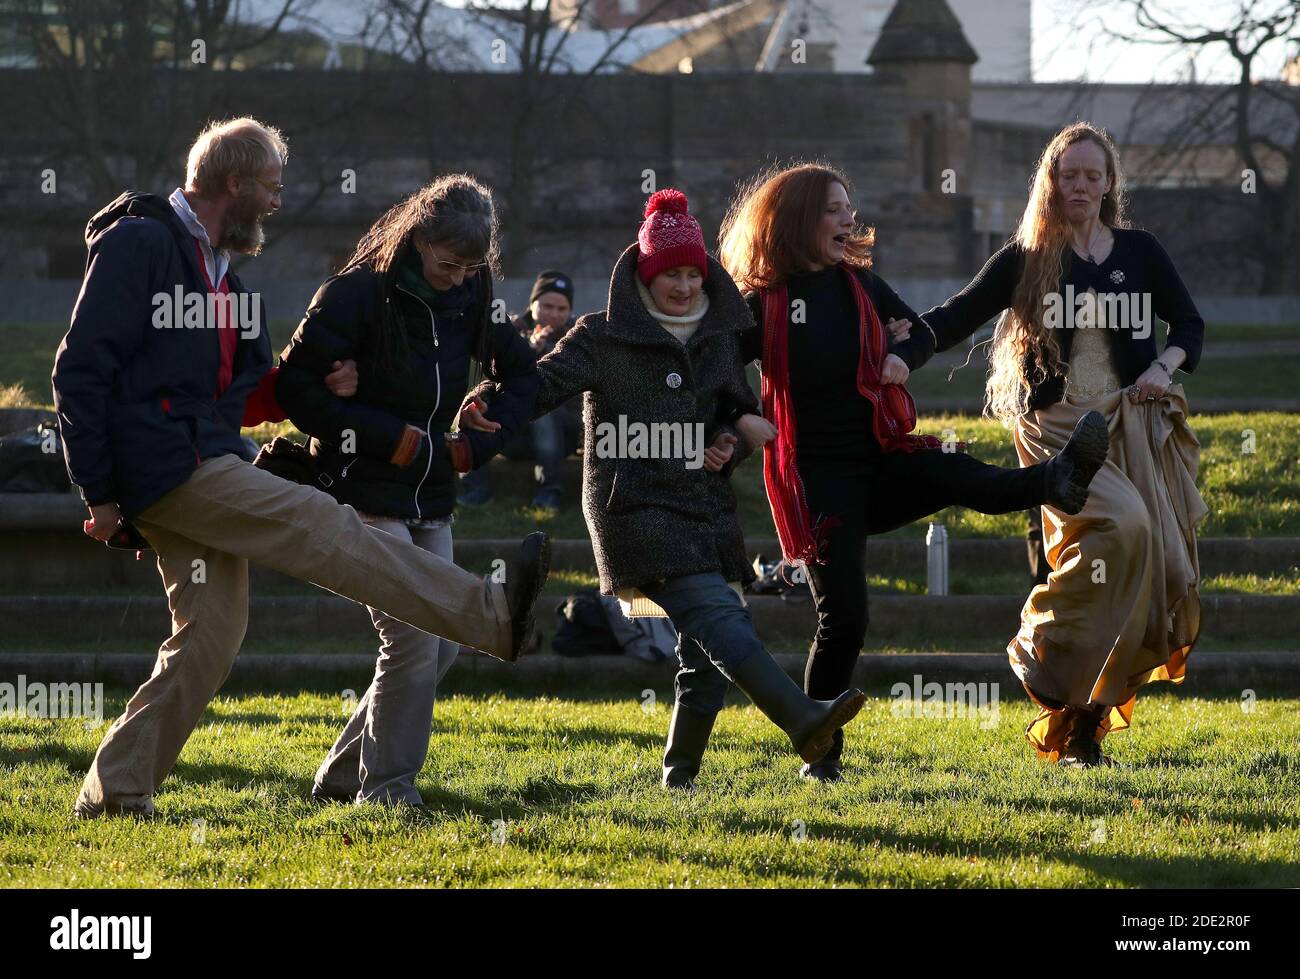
(654, 518)
(341, 323)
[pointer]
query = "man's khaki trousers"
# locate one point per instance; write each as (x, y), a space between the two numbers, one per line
(205, 532)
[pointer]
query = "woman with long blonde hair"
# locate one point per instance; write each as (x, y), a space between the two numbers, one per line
(1077, 292)
(836, 344)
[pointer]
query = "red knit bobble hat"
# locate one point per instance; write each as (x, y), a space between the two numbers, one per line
(669, 236)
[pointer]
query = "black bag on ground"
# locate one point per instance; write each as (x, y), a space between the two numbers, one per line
(591, 624)
(287, 459)
(31, 461)
(776, 578)
(581, 628)
(647, 637)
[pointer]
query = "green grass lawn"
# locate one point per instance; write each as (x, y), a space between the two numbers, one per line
(1231, 333)
(552, 792)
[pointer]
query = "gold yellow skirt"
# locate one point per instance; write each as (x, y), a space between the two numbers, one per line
(1120, 607)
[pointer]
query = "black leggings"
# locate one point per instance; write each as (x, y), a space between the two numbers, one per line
(873, 496)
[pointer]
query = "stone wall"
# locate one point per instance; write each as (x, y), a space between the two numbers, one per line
(586, 151)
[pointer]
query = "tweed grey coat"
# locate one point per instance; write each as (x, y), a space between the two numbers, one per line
(651, 518)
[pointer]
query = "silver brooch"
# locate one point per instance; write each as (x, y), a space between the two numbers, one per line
(674, 380)
(1117, 277)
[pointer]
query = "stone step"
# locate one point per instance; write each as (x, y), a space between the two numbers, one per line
(42, 545)
(308, 618)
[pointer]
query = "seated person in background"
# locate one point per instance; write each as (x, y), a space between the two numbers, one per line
(554, 436)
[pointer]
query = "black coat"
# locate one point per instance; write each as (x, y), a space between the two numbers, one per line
(342, 323)
(651, 519)
(137, 405)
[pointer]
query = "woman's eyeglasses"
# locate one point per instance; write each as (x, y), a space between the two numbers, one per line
(443, 264)
(446, 266)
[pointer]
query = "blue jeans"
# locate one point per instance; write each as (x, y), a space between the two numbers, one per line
(715, 635)
(548, 449)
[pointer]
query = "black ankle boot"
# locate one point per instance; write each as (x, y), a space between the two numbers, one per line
(525, 576)
(810, 724)
(1082, 749)
(1068, 474)
(829, 768)
(688, 736)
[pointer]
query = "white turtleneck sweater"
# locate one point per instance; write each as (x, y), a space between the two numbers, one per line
(682, 327)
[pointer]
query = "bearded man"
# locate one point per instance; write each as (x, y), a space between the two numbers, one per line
(164, 360)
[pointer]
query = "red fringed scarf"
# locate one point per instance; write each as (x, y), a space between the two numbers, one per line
(893, 417)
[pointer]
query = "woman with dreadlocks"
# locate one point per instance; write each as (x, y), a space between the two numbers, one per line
(1076, 288)
(413, 306)
(836, 344)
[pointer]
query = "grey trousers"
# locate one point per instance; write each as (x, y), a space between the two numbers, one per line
(384, 744)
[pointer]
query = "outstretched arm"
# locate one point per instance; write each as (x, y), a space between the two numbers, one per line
(917, 346)
(568, 370)
(987, 295)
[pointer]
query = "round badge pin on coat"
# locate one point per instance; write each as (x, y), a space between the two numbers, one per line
(674, 380)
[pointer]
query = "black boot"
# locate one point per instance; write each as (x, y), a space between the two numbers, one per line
(810, 724)
(1068, 473)
(688, 735)
(829, 768)
(525, 576)
(1082, 749)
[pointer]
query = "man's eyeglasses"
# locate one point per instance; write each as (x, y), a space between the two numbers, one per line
(275, 188)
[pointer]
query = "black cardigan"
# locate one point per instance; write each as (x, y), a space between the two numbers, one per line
(1136, 264)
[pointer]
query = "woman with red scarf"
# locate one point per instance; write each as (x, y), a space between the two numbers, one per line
(836, 345)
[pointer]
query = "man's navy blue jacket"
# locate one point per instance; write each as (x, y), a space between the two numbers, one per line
(137, 404)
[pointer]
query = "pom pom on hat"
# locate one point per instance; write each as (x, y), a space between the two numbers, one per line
(668, 200)
(669, 236)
